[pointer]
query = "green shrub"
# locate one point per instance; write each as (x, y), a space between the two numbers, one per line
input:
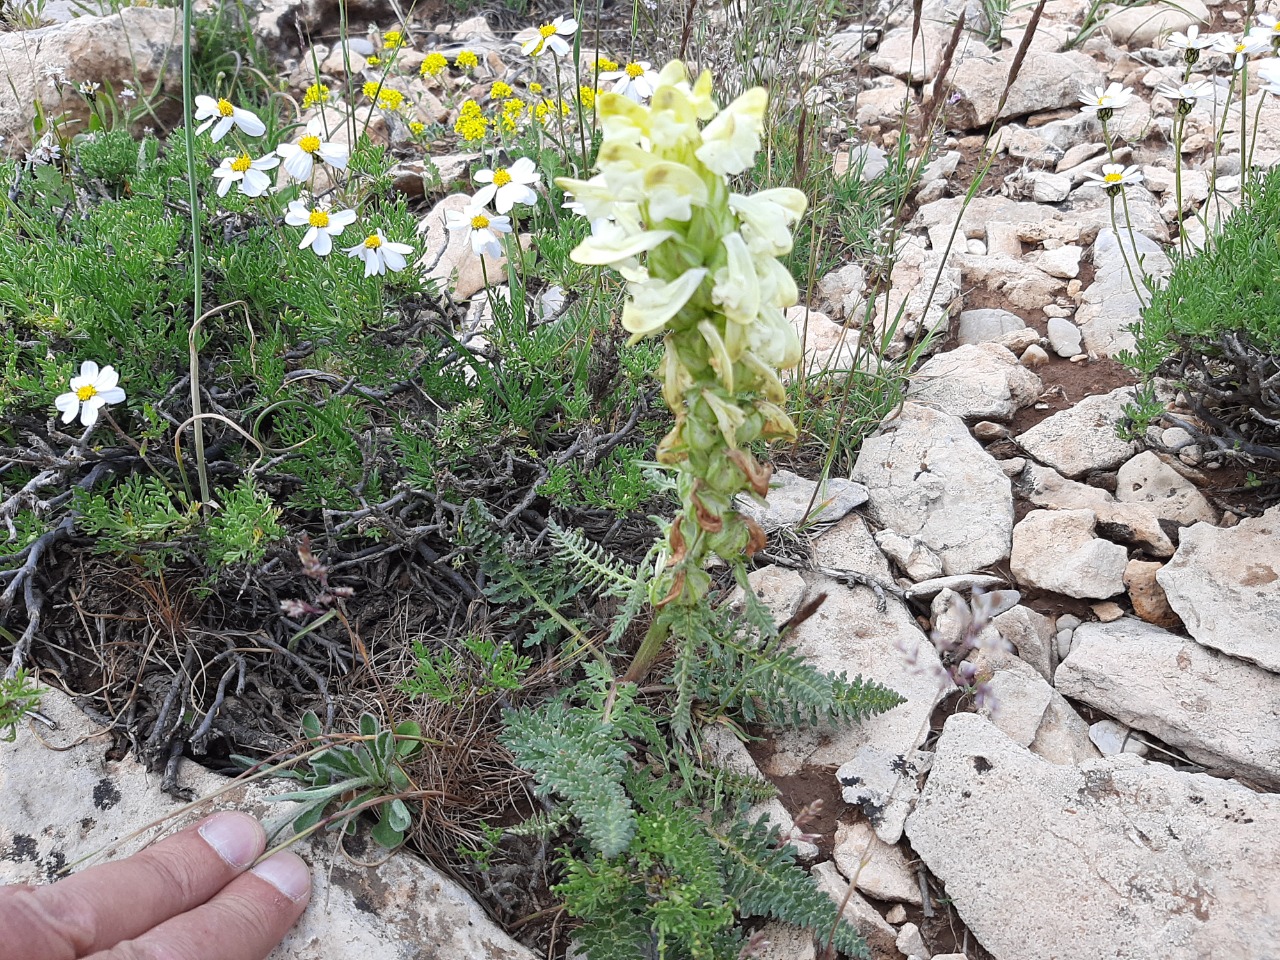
(1214, 332)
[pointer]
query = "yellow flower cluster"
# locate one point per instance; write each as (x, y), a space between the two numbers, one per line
(373, 60)
(393, 40)
(316, 94)
(587, 97)
(466, 60)
(605, 65)
(433, 65)
(417, 127)
(370, 89)
(535, 88)
(546, 108)
(500, 91)
(513, 111)
(471, 125)
(390, 99)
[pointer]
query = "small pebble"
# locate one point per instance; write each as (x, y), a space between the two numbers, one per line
(1112, 738)
(1034, 356)
(1013, 467)
(1107, 611)
(976, 247)
(1191, 455)
(1175, 438)
(1068, 621)
(985, 430)
(910, 942)
(897, 914)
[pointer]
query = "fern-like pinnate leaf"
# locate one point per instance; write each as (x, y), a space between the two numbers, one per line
(763, 879)
(574, 755)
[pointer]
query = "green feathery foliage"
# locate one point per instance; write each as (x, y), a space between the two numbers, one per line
(762, 877)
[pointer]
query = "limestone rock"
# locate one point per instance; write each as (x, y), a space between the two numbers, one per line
(1220, 711)
(778, 588)
(139, 46)
(863, 916)
(1063, 737)
(1047, 81)
(910, 553)
(1147, 596)
(986, 325)
(927, 477)
(58, 807)
(1225, 585)
(979, 380)
(1109, 306)
(829, 347)
(1083, 437)
(887, 875)
(1136, 27)
(1118, 858)
(1056, 550)
(1018, 696)
(1114, 738)
(1031, 634)
(915, 58)
(914, 305)
(794, 501)
(1130, 523)
(841, 293)
(1065, 337)
(1148, 480)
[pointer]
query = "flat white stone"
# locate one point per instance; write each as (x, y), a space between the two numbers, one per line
(1082, 438)
(928, 478)
(1221, 712)
(1118, 858)
(1225, 585)
(1057, 550)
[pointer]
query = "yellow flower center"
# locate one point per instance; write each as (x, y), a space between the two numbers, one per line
(547, 30)
(241, 163)
(479, 222)
(1239, 48)
(634, 70)
(372, 242)
(318, 219)
(87, 392)
(393, 39)
(535, 87)
(500, 177)
(373, 61)
(310, 143)
(1113, 177)
(225, 108)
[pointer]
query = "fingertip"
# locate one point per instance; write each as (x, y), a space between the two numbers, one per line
(236, 837)
(288, 873)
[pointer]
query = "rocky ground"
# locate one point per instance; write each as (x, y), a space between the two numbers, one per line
(1114, 794)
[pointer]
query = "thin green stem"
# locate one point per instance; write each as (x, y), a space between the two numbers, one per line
(197, 253)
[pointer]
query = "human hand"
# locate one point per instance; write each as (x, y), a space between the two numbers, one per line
(190, 896)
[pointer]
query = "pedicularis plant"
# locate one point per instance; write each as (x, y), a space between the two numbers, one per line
(702, 271)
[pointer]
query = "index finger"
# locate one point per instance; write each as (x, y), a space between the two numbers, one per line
(106, 904)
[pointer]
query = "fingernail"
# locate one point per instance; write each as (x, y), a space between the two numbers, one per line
(237, 837)
(288, 873)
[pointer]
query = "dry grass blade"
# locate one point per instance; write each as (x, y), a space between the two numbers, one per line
(1016, 67)
(939, 83)
(917, 19)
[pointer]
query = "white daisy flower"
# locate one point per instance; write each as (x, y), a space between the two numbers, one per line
(1269, 73)
(89, 88)
(380, 254)
(1193, 90)
(636, 81)
(1114, 97)
(482, 229)
(1115, 176)
(322, 225)
(1242, 48)
(1193, 39)
(551, 37)
(248, 173)
(507, 186)
(222, 116)
(299, 158)
(1268, 29)
(90, 392)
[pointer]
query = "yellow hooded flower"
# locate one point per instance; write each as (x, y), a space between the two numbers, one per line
(731, 139)
(766, 218)
(737, 287)
(654, 302)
